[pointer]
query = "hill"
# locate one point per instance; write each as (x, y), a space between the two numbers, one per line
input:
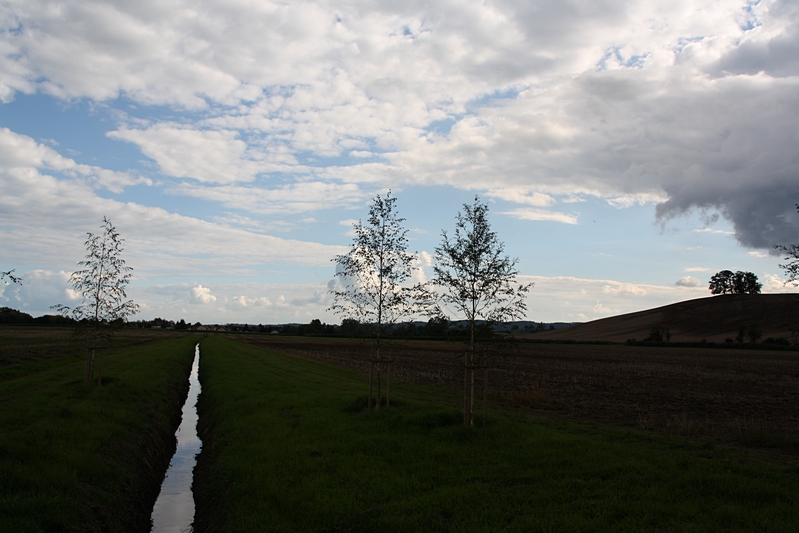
(714, 319)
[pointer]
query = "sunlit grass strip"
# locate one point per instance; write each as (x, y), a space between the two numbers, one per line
(288, 447)
(78, 457)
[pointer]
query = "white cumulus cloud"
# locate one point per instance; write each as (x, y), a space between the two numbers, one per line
(202, 295)
(688, 281)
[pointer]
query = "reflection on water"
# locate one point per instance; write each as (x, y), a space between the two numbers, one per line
(174, 508)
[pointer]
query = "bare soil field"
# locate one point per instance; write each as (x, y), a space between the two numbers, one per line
(735, 395)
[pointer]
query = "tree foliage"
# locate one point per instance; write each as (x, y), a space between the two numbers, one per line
(100, 281)
(791, 252)
(728, 282)
(376, 288)
(9, 275)
(478, 285)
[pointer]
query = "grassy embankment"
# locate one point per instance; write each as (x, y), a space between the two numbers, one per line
(288, 447)
(79, 457)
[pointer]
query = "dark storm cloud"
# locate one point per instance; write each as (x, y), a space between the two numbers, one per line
(761, 216)
(750, 173)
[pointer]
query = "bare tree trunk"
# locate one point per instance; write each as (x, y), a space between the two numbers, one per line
(471, 399)
(485, 395)
(377, 404)
(86, 364)
(377, 358)
(100, 375)
(466, 390)
(371, 372)
(388, 385)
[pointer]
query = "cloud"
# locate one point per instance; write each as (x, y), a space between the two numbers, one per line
(773, 283)
(711, 230)
(541, 215)
(202, 295)
(206, 156)
(600, 309)
(295, 198)
(721, 146)
(243, 301)
(770, 49)
(698, 269)
(43, 219)
(101, 178)
(18, 153)
(350, 225)
(424, 259)
(521, 196)
(421, 260)
(759, 254)
(688, 105)
(688, 281)
(236, 302)
(39, 290)
(618, 289)
(629, 200)
(318, 297)
(569, 299)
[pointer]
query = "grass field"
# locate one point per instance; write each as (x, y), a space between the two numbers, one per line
(79, 457)
(289, 447)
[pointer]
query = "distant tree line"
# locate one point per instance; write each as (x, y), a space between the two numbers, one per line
(314, 327)
(13, 316)
(436, 328)
(159, 322)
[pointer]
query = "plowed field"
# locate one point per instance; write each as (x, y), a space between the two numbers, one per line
(699, 391)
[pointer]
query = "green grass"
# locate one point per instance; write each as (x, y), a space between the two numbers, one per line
(289, 447)
(79, 457)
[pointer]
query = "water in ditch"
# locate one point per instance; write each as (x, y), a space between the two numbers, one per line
(174, 508)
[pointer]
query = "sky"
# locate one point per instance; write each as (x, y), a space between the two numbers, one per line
(627, 151)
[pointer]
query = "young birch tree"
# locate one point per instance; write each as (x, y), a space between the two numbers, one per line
(478, 283)
(101, 282)
(375, 278)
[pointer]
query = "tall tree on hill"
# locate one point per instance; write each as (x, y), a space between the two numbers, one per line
(478, 283)
(100, 281)
(791, 252)
(728, 282)
(747, 283)
(375, 275)
(722, 282)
